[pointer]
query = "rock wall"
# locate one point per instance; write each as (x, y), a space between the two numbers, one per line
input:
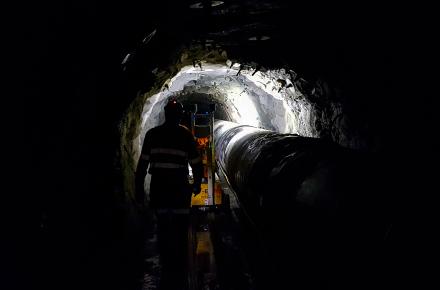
(273, 99)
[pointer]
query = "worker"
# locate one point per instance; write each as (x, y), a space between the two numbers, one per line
(167, 150)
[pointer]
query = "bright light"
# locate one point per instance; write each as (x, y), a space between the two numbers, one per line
(246, 111)
(286, 122)
(199, 5)
(255, 38)
(126, 58)
(236, 65)
(244, 103)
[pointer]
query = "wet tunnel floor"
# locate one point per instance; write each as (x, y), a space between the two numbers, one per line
(227, 253)
(218, 258)
(219, 253)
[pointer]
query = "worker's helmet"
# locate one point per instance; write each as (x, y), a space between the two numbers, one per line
(173, 110)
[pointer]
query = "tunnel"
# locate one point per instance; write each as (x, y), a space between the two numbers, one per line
(292, 172)
(325, 158)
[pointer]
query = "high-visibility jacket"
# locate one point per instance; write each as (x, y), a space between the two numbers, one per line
(168, 149)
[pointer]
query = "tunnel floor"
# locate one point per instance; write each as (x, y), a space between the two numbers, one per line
(227, 251)
(220, 252)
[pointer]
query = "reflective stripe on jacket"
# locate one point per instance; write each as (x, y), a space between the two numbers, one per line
(171, 148)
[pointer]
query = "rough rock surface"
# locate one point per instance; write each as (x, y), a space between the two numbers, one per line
(273, 99)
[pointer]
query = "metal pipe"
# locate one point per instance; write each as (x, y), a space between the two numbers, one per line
(269, 170)
(312, 201)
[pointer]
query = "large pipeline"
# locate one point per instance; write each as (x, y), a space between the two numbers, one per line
(269, 169)
(323, 199)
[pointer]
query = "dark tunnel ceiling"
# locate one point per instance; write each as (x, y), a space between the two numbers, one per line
(319, 40)
(81, 46)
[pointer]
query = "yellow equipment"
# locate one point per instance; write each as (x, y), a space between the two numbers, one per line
(202, 127)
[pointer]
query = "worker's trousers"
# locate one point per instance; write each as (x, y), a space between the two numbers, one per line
(172, 225)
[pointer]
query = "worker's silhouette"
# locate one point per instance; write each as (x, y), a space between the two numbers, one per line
(167, 150)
